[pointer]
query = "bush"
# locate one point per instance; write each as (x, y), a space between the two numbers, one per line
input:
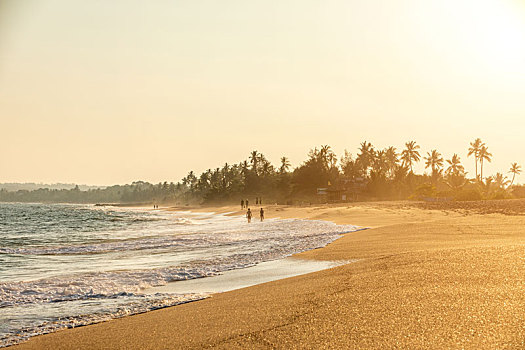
(468, 194)
(424, 190)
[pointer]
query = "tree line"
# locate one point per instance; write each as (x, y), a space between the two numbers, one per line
(373, 174)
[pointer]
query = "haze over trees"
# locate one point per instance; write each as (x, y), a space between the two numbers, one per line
(12, 186)
(373, 174)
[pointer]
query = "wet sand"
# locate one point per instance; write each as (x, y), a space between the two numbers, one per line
(428, 277)
(235, 279)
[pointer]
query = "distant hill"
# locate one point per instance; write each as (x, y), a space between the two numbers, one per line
(31, 186)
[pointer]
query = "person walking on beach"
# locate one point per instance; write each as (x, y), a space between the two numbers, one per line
(249, 215)
(242, 203)
(246, 203)
(256, 200)
(261, 213)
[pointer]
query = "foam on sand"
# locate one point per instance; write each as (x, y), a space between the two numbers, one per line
(236, 279)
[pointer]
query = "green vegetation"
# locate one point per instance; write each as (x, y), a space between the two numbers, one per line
(371, 175)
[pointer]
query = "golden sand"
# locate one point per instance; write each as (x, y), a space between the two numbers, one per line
(427, 278)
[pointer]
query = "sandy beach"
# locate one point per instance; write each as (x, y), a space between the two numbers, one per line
(429, 276)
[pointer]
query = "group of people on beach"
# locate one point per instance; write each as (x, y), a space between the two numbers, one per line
(249, 214)
(245, 203)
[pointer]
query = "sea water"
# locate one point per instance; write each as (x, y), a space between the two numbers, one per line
(64, 266)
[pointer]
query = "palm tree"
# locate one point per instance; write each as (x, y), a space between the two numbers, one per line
(332, 160)
(244, 167)
(285, 165)
(349, 166)
(483, 155)
(266, 168)
(434, 161)
(254, 159)
(379, 164)
(455, 167)
(263, 165)
(190, 179)
(515, 169)
(474, 150)
(323, 156)
(410, 154)
(500, 180)
(365, 156)
(391, 159)
(455, 173)
(325, 150)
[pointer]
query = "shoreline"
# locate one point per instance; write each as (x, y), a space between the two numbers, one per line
(267, 271)
(410, 260)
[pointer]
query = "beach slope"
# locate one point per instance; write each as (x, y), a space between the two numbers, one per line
(426, 278)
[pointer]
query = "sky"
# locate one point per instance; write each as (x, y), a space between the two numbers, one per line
(106, 92)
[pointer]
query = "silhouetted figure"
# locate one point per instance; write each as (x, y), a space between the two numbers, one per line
(249, 215)
(256, 200)
(260, 200)
(242, 203)
(246, 203)
(261, 213)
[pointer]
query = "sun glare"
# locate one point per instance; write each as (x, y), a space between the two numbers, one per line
(495, 34)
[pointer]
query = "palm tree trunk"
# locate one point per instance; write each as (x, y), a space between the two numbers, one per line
(477, 179)
(481, 170)
(513, 176)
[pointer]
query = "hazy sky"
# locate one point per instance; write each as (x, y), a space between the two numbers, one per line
(104, 92)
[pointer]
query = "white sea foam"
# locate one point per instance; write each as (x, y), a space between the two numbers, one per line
(89, 310)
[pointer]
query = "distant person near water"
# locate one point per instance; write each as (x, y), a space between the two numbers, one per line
(256, 200)
(242, 203)
(249, 215)
(246, 203)
(261, 213)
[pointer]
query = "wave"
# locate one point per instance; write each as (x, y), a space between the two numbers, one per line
(110, 307)
(57, 277)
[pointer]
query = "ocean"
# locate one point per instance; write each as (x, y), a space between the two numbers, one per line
(64, 266)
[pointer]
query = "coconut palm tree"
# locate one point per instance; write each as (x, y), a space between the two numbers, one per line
(483, 155)
(254, 159)
(366, 155)
(474, 150)
(285, 165)
(379, 163)
(349, 166)
(244, 168)
(500, 180)
(455, 167)
(410, 154)
(332, 160)
(515, 169)
(266, 168)
(190, 180)
(324, 156)
(434, 161)
(263, 165)
(391, 159)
